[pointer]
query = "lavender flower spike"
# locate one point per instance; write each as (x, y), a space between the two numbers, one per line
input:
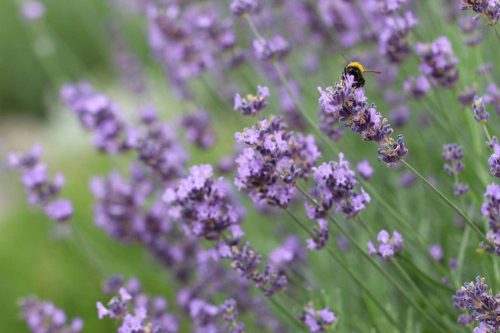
(387, 246)
(243, 7)
(43, 316)
(486, 8)
(491, 211)
(204, 204)
(494, 161)
(481, 306)
(318, 320)
(480, 113)
(251, 105)
(40, 190)
(439, 63)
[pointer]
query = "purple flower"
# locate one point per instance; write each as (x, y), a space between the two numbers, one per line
(288, 254)
(41, 190)
(491, 211)
(417, 87)
(243, 7)
(204, 204)
(275, 160)
(480, 113)
(33, 10)
(365, 169)
(453, 156)
(252, 105)
(387, 246)
(436, 252)
(334, 184)
(43, 317)
(439, 63)
(98, 114)
(230, 315)
(60, 210)
(318, 320)
(494, 161)
(492, 97)
(466, 97)
(460, 189)
(197, 128)
(320, 235)
(486, 8)
(400, 115)
(157, 147)
(393, 40)
(138, 312)
(481, 306)
(246, 262)
(347, 104)
(392, 151)
(276, 48)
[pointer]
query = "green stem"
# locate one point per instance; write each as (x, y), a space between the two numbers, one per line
(448, 201)
(286, 313)
(426, 277)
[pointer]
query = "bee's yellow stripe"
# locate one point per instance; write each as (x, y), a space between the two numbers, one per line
(357, 65)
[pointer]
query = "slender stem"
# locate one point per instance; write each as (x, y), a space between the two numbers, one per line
(287, 314)
(448, 201)
(348, 271)
(82, 246)
(461, 255)
(363, 224)
(427, 278)
(487, 132)
(413, 284)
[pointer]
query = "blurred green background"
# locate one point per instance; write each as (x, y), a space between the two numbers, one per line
(35, 260)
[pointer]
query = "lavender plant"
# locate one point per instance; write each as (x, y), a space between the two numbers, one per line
(236, 213)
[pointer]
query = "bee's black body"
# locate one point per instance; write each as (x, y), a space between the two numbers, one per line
(355, 71)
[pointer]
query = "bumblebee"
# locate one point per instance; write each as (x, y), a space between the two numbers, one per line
(356, 70)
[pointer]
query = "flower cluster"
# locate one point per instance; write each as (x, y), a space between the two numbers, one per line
(204, 204)
(477, 299)
(32, 10)
(252, 105)
(44, 317)
(243, 7)
(492, 97)
(136, 311)
(491, 211)
(480, 113)
(246, 262)
(439, 63)
(98, 114)
(417, 87)
(388, 246)
(190, 38)
(365, 169)
(157, 147)
(318, 320)
(289, 254)
(494, 161)
(40, 190)
(393, 40)
(349, 105)
(453, 155)
(486, 8)
(334, 184)
(230, 315)
(275, 160)
(198, 130)
(469, 27)
(119, 202)
(275, 48)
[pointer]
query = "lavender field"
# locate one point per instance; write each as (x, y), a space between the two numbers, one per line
(215, 166)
